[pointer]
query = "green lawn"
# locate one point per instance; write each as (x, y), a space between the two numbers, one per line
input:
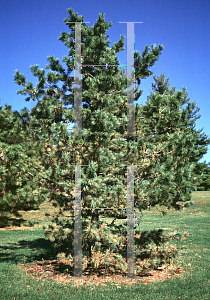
(25, 246)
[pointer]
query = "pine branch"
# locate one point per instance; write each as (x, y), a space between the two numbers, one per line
(163, 110)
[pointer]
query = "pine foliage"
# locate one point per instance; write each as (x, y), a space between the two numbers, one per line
(20, 185)
(164, 150)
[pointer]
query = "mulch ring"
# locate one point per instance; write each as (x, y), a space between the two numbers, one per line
(55, 270)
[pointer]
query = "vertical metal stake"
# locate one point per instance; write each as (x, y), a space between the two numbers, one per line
(130, 132)
(130, 222)
(77, 225)
(78, 81)
(130, 78)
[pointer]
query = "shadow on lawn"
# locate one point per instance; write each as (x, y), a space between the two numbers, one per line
(36, 250)
(15, 218)
(34, 255)
(6, 221)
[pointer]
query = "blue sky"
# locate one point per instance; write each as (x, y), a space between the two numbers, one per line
(30, 31)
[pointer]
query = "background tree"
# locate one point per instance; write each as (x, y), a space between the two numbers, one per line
(20, 185)
(170, 115)
(161, 150)
(203, 173)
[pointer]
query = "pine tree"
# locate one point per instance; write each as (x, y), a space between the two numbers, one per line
(20, 186)
(160, 151)
(166, 113)
(202, 171)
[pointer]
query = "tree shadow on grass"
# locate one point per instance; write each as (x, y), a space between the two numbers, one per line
(6, 221)
(36, 250)
(33, 256)
(15, 218)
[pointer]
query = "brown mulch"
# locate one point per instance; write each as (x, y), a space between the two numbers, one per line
(54, 269)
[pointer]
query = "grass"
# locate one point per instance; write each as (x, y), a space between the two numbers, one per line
(24, 246)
